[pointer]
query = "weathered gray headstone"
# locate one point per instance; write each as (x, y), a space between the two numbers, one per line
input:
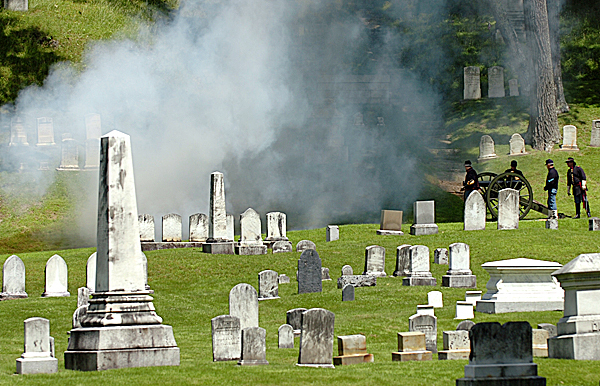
(486, 148)
(496, 82)
(569, 138)
(517, 144)
(459, 275)
(357, 281)
(309, 272)
(78, 315)
(37, 356)
(226, 338)
(316, 339)
(243, 304)
(304, 245)
(347, 270)
(146, 223)
(217, 226)
(375, 261)
(18, 135)
(294, 319)
(595, 135)
(332, 233)
(348, 293)
(402, 260)
(254, 347)
(45, 132)
(418, 268)
(426, 324)
(282, 246)
(283, 279)
(56, 278)
(90, 269)
(69, 154)
(276, 226)
(424, 218)
(13, 278)
(286, 336)
(475, 212)
(551, 328)
(198, 227)
(456, 345)
(440, 256)
(171, 227)
(513, 87)
(268, 285)
(465, 325)
(83, 296)
(16, 5)
(472, 83)
(325, 274)
(508, 209)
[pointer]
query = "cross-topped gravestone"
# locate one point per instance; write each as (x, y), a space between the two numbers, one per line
(13, 278)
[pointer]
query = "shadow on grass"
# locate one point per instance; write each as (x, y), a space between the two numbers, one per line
(26, 54)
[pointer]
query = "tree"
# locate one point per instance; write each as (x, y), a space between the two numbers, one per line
(554, 27)
(543, 124)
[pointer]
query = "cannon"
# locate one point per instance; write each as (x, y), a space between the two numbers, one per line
(491, 183)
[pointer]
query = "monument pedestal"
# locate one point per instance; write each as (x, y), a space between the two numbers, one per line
(37, 365)
(412, 356)
(423, 229)
(453, 354)
(384, 232)
(459, 281)
(523, 381)
(354, 359)
(219, 248)
(246, 250)
(419, 280)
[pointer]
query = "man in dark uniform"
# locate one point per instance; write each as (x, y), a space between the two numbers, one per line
(513, 168)
(551, 187)
(576, 178)
(471, 182)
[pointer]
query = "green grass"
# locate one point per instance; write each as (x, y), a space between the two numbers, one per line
(192, 287)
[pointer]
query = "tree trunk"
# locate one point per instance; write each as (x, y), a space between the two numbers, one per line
(543, 124)
(554, 26)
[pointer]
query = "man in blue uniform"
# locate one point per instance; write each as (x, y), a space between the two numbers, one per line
(577, 179)
(551, 187)
(471, 182)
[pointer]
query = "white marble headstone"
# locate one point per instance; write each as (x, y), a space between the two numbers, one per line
(56, 278)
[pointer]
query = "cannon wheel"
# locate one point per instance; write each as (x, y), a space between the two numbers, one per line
(485, 179)
(513, 181)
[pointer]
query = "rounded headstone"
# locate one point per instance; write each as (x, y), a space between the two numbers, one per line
(465, 325)
(303, 245)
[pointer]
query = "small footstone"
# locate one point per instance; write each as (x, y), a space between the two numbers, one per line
(333, 233)
(440, 256)
(352, 350)
(411, 347)
(552, 223)
(325, 274)
(282, 246)
(37, 357)
(283, 279)
(595, 224)
(348, 293)
(347, 270)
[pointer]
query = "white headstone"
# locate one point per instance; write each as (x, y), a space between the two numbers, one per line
(56, 278)
(230, 227)
(595, 136)
(569, 138)
(45, 132)
(286, 336)
(402, 260)
(517, 144)
(472, 297)
(440, 256)
(83, 296)
(243, 303)
(146, 223)
(508, 209)
(472, 83)
(226, 338)
(332, 233)
(276, 226)
(425, 309)
(464, 310)
(37, 356)
(69, 155)
(18, 135)
(424, 218)
(171, 227)
(13, 278)
(217, 217)
(198, 227)
(486, 148)
(250, 228)
(418, 268)
(375, 261)
(475, 212)
(496, 82)
(268, 285)
(347, 270)
(435, 299)
(91, 272)
(513, 86)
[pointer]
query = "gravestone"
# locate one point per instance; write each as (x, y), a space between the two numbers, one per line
(37, 357)
(226, 335)
(435, 299)
(16, 5)
(325, 274)
(243, 304)
(517, 145)
(539, 341)
(121, 328)
(594, 224)
(475, 212)
(268, 285)
(93, 132)
(521, 285)
(551, 328)
(83, 296)
(501, 355)
(595, 135)
(230, 227)
(145, 266)
(282, 247)
(69, 154)
(472, 83)
(218, 235)
(513, 87)
(375, 261)
(171, 228)
(56, 278)
(464, 310)
(78, 316)
(45, 132)
(303, 245)
(508, 209)
(254, 347)
(348, 293)
(276, 226)
(486, 148)
(13, 279)
(309, 272)
(472, 297)
(316, 338)
(424, 218)
(456, 345)
(459, 275)
(552, 223)
(332, 233)
(352, 350)
(465, 325)
(286, 336)
(569, 138)
(251, 239)
(198, 227)
(402, 260)
(90, 269)
(496, 82)
(18, 135)
(146, 224)
(357, 281)
(411, 347)
(391, 223)
(425, 309)
(440, 256)
(578, 330)
(294, 319)
(418, 267)
(347, 270)
(426, 324)
(283, 279)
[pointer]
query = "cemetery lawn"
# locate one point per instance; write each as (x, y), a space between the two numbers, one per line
(192, 287)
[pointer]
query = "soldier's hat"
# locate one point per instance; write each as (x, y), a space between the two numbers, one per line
(468, 163)
(570, 159)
